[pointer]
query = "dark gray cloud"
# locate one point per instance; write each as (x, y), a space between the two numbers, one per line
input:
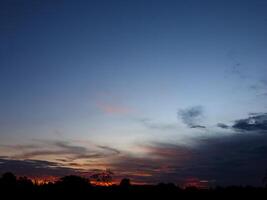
(222, 125)
(191, 116)
(34, 168)
(21, 147)
(255, 122)
(110, 149)
(235, 159)
(197, 126)
(62, 160)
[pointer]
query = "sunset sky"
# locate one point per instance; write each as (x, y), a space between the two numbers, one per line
(154, 90)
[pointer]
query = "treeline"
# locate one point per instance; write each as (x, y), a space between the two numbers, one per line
(76, 186)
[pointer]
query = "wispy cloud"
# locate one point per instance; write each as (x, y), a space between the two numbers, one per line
(222, 125)
(260, 87)
(32, 154)
(21, 147)
(110, 149)
(64, 150)
(191, 116)
(150, 124)
(235, 68)
(70, 148)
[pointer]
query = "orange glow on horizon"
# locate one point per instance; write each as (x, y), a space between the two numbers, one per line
(44, 180)
(195, 182)
(104, 184)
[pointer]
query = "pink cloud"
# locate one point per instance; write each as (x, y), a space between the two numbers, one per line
(113, 108)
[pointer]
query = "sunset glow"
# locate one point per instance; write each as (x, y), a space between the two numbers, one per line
(151, 91)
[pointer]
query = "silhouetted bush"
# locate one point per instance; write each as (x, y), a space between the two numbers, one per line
(8, 180)
(125, 183)
(264, 180)
(24, 184)
(73, 182)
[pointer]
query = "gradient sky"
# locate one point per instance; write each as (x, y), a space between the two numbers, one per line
(153, 90)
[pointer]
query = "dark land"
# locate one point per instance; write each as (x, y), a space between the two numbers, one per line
(76, 187)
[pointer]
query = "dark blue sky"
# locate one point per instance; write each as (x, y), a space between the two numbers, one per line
(129, 75)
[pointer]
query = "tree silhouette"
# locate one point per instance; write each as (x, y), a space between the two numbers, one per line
(125, 183)
(74, 182)
(8, 179)
(104, 177)
(24, 183)
(264, 180)
(78, 187)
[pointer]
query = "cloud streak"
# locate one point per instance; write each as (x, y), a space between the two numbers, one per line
(150, 124)
(197, 126)
(63, 150)
(109, 149)
(34, 168)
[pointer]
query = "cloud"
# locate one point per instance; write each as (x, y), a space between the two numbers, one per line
(191, 116)
(21, 147)
(255, 87)
(235, 68)
(160, 160)
(34, 168)
(260, 87)
(235, 159)
(255, 122)
(65, 150)
(71, 148)
(229, 159)
(110, 149)
(222, 125)
(33, 154)
(113, 108)
(198, 126)
(150, 124)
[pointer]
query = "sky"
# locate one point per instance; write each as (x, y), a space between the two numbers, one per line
(156, 91)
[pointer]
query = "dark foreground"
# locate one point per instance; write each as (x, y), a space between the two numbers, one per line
(75, 187)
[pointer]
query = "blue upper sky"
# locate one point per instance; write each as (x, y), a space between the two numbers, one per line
(129, 73)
